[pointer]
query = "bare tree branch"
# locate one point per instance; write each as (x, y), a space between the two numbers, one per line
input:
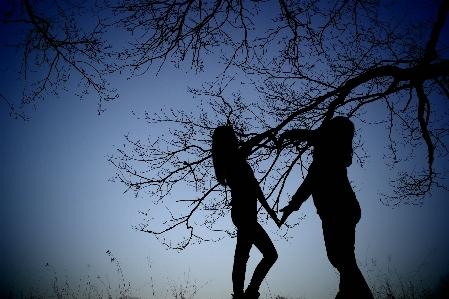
(57, 48)
(335, 59)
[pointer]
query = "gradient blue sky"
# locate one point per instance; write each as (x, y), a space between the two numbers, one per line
(58, 207)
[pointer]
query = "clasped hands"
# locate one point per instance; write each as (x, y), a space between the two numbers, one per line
(287, 210)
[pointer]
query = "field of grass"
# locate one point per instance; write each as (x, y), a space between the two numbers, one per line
(385, 285)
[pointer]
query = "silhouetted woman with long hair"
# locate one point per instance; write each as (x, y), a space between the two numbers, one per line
(327, 181)
(231, 169)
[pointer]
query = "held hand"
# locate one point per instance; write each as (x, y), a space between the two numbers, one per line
(287, 210)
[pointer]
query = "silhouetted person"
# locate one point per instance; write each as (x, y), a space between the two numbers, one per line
(334, 199)
(231, 169)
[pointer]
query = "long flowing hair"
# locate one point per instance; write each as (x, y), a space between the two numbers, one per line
(224, 150)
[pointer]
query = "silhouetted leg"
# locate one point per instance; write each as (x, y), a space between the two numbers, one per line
(362, 287)
(339, 238)
(241, 256)
(340, 252)
(263, 242)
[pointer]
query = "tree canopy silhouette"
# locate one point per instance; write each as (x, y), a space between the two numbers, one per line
(317, 59)
(56, 49)
(308, 60)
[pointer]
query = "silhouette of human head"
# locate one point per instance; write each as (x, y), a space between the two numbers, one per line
(224, 151)
(333, 141)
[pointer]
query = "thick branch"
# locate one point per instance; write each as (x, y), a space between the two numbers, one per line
(430, 52)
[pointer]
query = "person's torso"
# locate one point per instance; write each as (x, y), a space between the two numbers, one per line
(332, 193)
(240, 179)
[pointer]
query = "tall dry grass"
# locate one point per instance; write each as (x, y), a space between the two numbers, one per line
(387, 284)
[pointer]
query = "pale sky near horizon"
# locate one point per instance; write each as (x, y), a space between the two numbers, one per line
(58, 207)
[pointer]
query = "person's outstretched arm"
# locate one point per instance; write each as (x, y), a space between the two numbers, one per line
(264, 204)
(302, 194)
(298, 135)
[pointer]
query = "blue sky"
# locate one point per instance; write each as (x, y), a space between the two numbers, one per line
(58, 207)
